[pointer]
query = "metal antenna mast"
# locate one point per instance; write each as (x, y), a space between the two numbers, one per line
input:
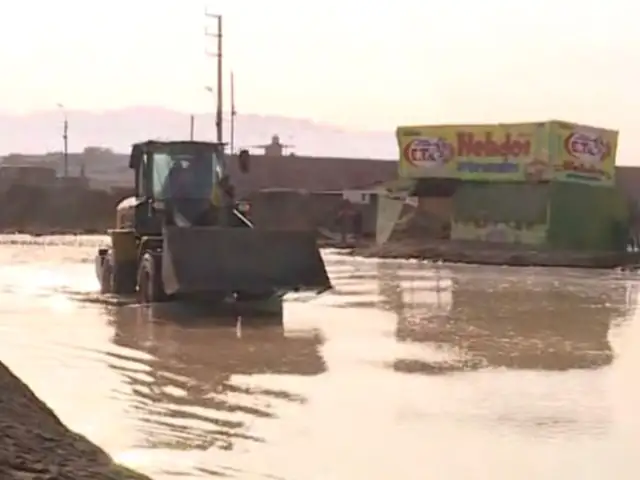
(232, 129)
(218, 55)
(65, 140)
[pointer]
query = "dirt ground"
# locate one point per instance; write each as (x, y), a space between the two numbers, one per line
(482, 253)
(35, 445)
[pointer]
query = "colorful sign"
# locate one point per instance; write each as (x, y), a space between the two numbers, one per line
(501, 152)
(583, 154)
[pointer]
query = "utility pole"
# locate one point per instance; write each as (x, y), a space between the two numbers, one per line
(65, 140)
(192, 127)
(218, 55)
(232, 128)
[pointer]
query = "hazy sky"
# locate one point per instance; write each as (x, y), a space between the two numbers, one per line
(372, 64)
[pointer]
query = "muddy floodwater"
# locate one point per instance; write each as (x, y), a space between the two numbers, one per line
(407, 371)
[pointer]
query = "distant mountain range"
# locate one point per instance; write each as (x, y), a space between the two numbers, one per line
(37, 133)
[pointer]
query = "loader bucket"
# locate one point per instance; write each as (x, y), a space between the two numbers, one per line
(198, 260)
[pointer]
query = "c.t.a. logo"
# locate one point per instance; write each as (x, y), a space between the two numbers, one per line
(428, 152)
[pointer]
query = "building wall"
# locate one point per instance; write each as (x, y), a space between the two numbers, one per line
(586, 218)
(324, 209)
(27, 175)
(287, 209)
(326, 205)
(51, 208)
(366, 202)
(292, 209)
(314, 174)
(501, 212)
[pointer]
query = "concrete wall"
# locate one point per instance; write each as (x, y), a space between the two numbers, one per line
(38, 209)
(27, 175)
(302, 210)
(282, 209)
(73, 208)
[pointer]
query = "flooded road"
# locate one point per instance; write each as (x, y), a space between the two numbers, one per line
(405, 371)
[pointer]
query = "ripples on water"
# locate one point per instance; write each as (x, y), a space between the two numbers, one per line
(407, 370)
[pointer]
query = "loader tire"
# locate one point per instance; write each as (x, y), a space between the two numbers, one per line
(150, 289)
(106, 274)
(116, 278)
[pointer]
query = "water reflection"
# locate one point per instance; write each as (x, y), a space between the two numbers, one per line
(477, 317)
(184, 375)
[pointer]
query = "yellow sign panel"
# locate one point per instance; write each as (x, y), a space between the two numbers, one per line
(502, 152)
(583, 154)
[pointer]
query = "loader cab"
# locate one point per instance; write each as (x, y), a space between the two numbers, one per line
(175, 182)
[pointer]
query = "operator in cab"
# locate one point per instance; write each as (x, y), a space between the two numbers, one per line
(198, 194)
(185, 191)
(177, 182)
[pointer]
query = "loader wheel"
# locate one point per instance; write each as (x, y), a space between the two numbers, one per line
(105, 275)
(117, 279)
(150, 288)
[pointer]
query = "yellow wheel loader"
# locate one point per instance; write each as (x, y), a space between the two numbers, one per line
(182, 237)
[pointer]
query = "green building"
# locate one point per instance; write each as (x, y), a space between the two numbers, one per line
(545, 184)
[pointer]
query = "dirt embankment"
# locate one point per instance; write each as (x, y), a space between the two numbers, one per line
(485, 253)
(48, 210)
(35, 444)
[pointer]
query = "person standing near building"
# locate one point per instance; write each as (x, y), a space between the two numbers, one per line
(357, 224)
(345, 220)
